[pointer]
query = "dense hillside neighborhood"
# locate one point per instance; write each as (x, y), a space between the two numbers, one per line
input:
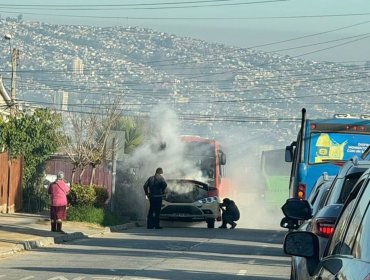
(71, 67)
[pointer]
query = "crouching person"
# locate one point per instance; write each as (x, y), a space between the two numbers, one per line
(230, 213)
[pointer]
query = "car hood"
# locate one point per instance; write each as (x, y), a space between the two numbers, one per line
(185, 190)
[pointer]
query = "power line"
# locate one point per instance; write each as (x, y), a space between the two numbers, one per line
(136, 7)
(332, 47)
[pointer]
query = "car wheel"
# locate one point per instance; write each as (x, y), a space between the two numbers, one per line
(211, 223)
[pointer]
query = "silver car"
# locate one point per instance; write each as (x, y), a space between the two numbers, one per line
(190, 200)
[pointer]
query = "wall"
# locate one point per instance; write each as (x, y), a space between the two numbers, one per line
(103, 177)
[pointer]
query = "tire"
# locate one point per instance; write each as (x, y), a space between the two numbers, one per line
(211, 223)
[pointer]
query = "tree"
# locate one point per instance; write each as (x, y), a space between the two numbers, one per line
(86, 142)
(134, 129)
(35, 137)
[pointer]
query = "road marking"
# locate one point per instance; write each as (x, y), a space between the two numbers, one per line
(63, 278)
(26, 278)
(111, 278)
(242, 272)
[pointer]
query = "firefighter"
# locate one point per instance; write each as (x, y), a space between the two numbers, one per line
(154, 189)
(230, 213)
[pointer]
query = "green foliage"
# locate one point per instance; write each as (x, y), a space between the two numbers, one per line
(81, 196)
(93, 215)
(134, 134)
(34, 137)
(101, 196)
(37, 199)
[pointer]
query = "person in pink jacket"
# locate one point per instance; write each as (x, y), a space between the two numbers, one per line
(58, 191)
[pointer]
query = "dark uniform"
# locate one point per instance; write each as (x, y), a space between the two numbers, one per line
(230, 213)
(154, 189)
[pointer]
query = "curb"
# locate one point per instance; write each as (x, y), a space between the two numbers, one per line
(47, 241)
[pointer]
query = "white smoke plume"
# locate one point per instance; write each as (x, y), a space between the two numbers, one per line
(243, 150)
(163, 148)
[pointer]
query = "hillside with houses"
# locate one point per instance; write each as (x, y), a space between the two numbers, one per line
(210, 86)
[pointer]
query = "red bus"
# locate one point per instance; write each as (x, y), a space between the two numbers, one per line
(208, 156)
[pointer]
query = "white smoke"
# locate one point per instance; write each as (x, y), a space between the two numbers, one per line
(243, 150)
(163, 148)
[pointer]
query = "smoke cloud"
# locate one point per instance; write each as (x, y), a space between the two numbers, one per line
(163, 148)
(244, 149)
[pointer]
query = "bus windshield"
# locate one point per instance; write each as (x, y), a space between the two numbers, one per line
(202, 156)
(336, 146)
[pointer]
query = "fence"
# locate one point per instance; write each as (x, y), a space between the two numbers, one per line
(103, 177)
(10, 184)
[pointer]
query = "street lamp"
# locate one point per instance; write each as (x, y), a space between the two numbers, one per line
(9, 38)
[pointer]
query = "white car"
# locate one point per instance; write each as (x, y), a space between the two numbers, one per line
(188, 200)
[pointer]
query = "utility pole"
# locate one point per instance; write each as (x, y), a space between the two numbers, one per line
(118, 150)
(15, 55)
(114, 170)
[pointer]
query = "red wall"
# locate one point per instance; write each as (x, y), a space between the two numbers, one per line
(103, 177)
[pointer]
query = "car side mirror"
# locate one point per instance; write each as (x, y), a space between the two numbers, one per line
(303, 244)
(298, 209)
(289, 223)
(223, 158)
(288, 153)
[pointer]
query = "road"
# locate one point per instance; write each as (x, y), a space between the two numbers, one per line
(178, 252)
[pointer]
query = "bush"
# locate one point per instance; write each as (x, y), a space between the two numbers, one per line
(87, 214)
(101, 196)
(93, 215)
(81, 196)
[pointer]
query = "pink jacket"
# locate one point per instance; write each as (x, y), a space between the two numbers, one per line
(58, 193)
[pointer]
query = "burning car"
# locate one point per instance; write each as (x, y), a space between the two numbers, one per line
(189, 200)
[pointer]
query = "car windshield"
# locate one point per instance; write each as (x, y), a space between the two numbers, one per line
(182, 191)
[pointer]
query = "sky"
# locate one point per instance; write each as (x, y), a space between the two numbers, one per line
(333, 30)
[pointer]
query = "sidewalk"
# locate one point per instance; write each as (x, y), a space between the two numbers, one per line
(23, 231)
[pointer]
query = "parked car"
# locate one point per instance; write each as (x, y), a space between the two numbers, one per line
(319, 192)
(322, 222)
(347, 256)
(316, 199)
(298, 264)
(189, 200)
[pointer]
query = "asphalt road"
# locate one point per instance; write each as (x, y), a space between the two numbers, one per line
(176, 252)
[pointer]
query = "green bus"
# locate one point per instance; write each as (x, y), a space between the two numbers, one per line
(276, 174)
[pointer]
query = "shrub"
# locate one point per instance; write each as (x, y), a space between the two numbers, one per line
(93, 215)
(101, 196)
(87, 214)
(81, 195)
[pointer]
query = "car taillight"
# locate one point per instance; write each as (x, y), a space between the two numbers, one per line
(301, 194)
(324, 228)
